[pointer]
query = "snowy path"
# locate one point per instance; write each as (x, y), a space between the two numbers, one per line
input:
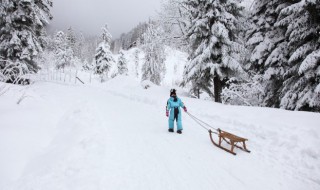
(115, 137)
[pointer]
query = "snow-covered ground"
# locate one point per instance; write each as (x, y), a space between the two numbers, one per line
(114, 136)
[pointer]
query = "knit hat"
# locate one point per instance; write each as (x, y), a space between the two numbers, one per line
(173, 92)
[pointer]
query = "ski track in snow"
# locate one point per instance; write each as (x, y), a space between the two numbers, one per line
(114, 136)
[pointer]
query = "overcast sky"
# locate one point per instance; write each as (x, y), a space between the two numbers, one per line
(90, 15)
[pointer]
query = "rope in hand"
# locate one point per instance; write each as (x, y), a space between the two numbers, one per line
(203, 124)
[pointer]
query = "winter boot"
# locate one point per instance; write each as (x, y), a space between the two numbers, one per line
(179, 131)
(171, 130)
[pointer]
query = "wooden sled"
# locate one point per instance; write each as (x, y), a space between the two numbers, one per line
(230, 139)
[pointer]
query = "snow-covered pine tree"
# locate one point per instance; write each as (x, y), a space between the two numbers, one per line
(80, 46)
(136, 60)
(214, 46)
(268, 47)
(71, 39)
(154, 67)
(88, 66)
(89, 47)
(63, 51)
(122, 64)
(301, 87)
(103, 57)
(21, 35)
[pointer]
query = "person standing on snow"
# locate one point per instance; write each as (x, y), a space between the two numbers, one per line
(173, 106)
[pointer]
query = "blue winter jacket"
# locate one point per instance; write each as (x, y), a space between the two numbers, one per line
(171, 105)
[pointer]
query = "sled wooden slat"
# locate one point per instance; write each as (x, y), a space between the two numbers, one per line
(230, 139)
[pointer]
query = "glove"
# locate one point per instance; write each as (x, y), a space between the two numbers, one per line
(167, 113)
(185, 108)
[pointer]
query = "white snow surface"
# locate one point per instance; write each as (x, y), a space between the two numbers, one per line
(114, 136)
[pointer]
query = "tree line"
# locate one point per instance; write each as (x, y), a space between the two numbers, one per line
(268, 55)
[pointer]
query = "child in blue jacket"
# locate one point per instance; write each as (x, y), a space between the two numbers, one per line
(173, 106)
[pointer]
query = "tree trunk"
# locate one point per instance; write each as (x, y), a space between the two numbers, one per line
(217, 89)
(198, 93)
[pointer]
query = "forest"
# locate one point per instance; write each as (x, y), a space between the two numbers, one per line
(266, 54)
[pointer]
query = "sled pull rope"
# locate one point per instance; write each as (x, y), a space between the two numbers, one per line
(203, 124)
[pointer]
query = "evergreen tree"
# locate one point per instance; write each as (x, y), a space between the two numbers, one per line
(87, 66)
(301, 87)
(63, 51)
(22, 35)
(213, 36)
(103, 57)
(80, 47)
(122, 64)
(268, 49)
(136, 62)
(89, 47)
(285, 51)
(71, 39)
(153, 68)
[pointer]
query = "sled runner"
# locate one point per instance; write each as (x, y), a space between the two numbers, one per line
(231, 139)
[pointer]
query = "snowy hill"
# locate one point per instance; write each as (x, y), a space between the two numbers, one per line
(114, 136)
